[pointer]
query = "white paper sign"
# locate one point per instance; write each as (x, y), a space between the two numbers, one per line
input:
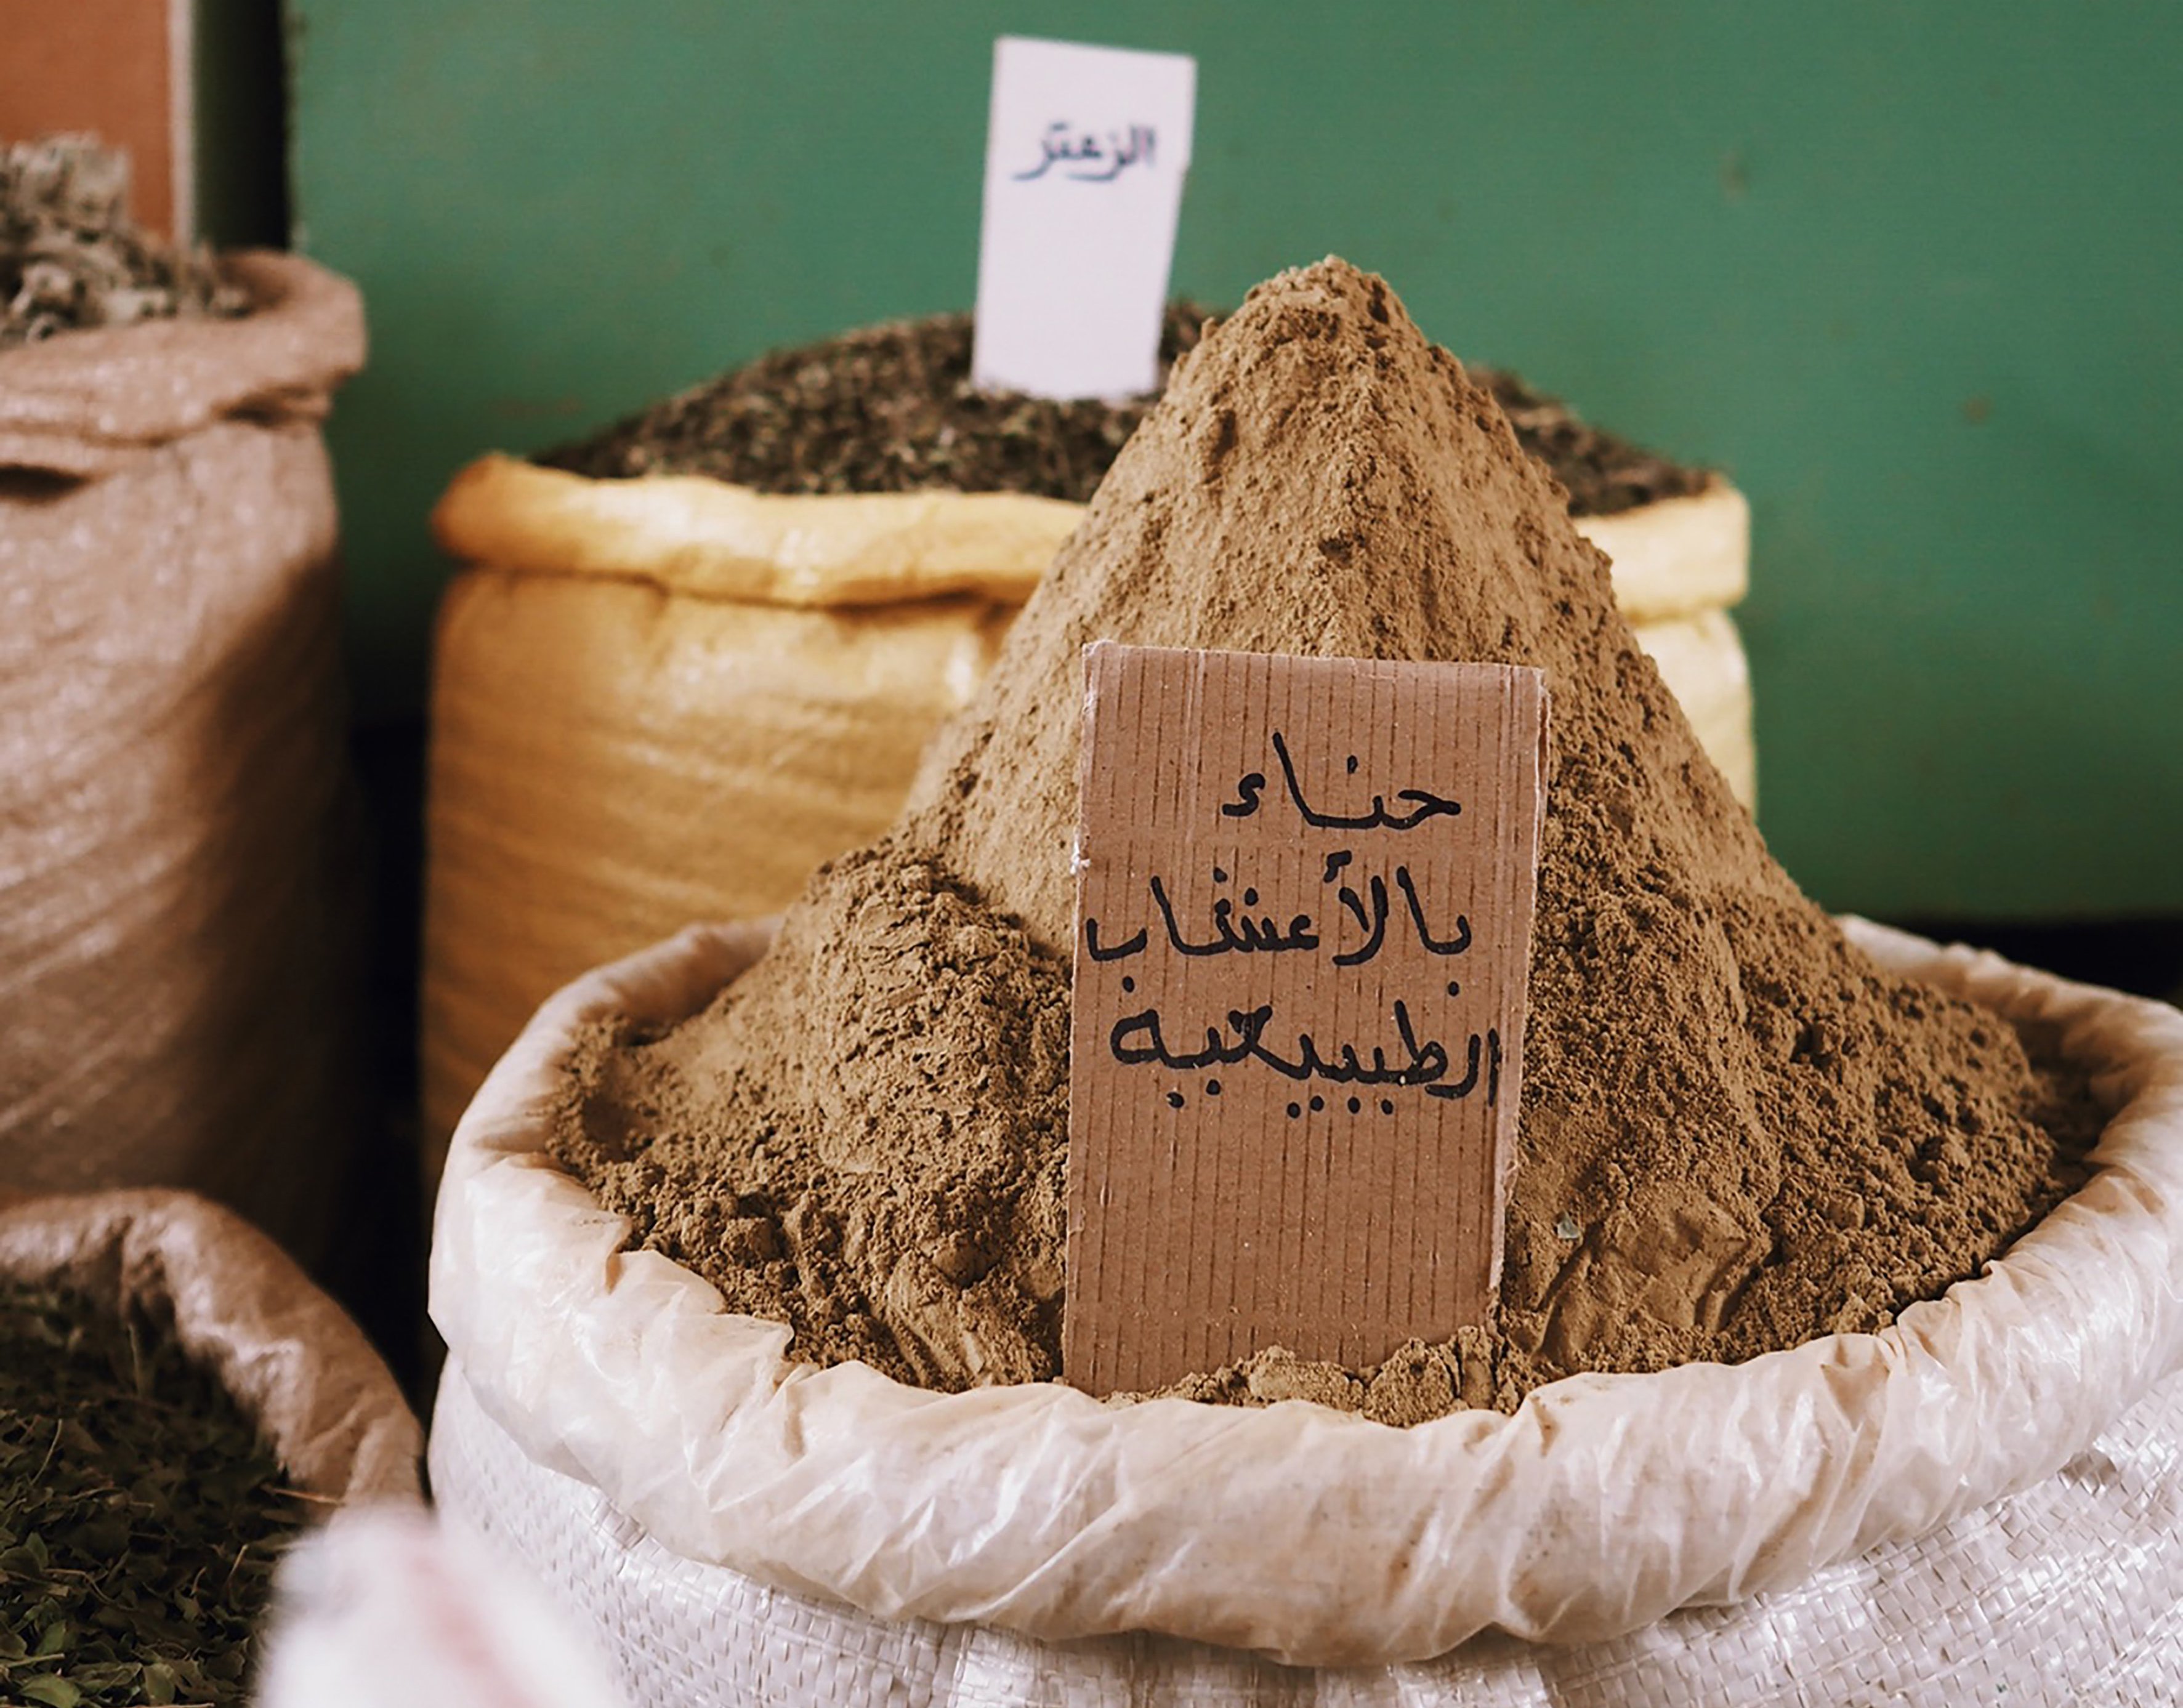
(1085, 152)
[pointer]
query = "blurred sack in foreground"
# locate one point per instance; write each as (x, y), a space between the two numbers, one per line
(175, 932)
(388, 1609)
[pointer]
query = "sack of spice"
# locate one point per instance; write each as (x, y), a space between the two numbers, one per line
(174, 919)
(176, 1402)
(690, 660)
(757, 1249)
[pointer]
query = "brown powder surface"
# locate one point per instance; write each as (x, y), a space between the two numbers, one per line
(1737, 1132)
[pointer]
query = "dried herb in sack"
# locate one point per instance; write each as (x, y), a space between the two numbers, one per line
(70, 256)
(887, 409)
(141, 1517)
(1605, 474)
(891, 408)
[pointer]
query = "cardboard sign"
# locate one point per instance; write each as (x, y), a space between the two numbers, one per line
(1304, 894)
(1085, 152)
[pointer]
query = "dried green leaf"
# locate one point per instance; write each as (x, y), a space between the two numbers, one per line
(51, 1689)
(141, 1517)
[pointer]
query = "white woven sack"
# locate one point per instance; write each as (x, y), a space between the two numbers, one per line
(389, 1609)
(1604, 1503)
(2068, 1593)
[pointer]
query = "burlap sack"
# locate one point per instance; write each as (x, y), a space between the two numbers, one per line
(171, 755)
(669, 699)
(290, 1356)
(1602, 1505)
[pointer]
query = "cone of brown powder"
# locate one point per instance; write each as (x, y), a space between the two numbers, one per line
(1737, 1132)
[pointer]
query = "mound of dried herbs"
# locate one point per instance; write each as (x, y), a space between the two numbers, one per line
(887, 409)
(140, 1515)
(1605, 474)
(891, 408)
(72, 257)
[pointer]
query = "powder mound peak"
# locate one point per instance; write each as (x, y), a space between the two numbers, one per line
(1320, 480)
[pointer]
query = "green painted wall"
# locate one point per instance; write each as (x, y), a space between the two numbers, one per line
(1914, 273)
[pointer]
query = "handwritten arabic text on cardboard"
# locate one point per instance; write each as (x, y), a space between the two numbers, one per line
(1303, 933)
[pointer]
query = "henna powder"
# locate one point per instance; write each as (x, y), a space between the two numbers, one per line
(1737, 1132)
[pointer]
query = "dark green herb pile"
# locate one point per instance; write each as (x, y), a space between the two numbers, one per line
(1605, 474)
(892, 409)
(887, 409)
(70, 256)
(140, 1517)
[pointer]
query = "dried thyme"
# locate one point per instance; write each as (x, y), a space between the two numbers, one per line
(140, 1515)
(892, 409)
(70, 257)
(887, 409)
(1604, 474)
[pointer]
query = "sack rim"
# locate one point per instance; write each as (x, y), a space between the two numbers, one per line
(699, 536)
(84, 401)
(621, 1367)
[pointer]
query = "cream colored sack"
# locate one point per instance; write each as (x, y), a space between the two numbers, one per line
(299, 1367)
(1601, 1504)
(669, 699)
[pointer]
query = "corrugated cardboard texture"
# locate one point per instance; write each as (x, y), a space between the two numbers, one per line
(1304, 917)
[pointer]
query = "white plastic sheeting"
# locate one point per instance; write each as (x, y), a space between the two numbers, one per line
(1603, 1504)
(2066, 1596)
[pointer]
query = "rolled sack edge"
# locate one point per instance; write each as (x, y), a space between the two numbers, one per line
(714, 539)
(711, 539)
(294, 1360)
(80, 403)
(1326, 1539)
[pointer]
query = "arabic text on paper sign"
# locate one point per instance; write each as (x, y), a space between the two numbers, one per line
(1303, 933)
(1086, 151)
(1084, 161)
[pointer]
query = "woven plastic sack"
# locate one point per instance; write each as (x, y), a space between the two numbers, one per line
(669, 699)
(1677, 557)
(300, 1368)
(1601, 1504)
(2067, 1595)
(1702, 660)
(173, 935)
(611, 759)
